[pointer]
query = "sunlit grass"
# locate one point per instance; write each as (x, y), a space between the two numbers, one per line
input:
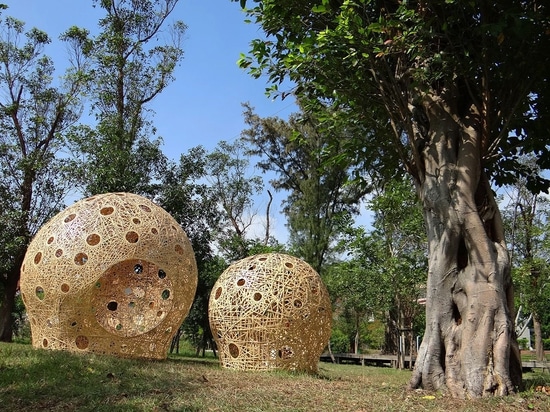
(38, 380)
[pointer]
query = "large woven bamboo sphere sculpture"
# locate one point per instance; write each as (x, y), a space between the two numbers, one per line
(270, 311)
(112, 274)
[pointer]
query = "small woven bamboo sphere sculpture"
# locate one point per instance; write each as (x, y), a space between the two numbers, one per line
(270, 311)
(111, 274)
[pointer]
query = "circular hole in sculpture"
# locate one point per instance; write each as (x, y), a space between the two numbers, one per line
(154, 231)
(262, 259)
(118, 327)
(161, 274)
(93, 239)
(159, 313)
(39, 292)
(37, 258)
(136, 220)
(289, 265)
(145, 208)
(165, 294)
(73, 323)
(233, 350)
(44, 342)
(112, 305)
(70, 217)
(241, 282)
(132, 237)
(218, 293)
(65, 288)
(285, 352)
(132, 305)
(252, 267)
(151, 305)
(257, 296)
(59, 253)
(178, 249)
(138, 269)
(81, 342)
(297, 303)
(50, 240)
(105, 211)
(80, 259)
(127, 291)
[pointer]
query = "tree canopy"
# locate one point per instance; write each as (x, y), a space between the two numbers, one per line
(35, 115)
(453, 92)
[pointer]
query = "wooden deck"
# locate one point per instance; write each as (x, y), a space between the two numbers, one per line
(391, 360)
(366, 359)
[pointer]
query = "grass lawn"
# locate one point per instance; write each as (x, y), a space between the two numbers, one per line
(40, 380)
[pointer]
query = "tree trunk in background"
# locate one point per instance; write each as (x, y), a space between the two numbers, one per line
(469, 345)
(8, 305)
(539, 346)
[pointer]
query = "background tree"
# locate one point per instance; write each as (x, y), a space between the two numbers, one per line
(321, 196)
(34, 117)
(228, 174)
(448, 79)
(399, 226)
(356, 287)
(526, 217)
(131, 62)
(188, 198)
(384, 273)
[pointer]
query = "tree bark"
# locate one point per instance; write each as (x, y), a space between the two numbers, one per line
(539, 346)
(469, 346)
(7, 306)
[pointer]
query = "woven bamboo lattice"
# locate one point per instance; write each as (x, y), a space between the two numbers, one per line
(112, 274)
(270, 311)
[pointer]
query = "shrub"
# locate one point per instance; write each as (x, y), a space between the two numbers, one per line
(523, 343)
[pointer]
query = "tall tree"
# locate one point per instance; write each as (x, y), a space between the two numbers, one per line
(527, 218)
(234, 187)
(131, 62)
(185, 194)
(34, 117)
(399, 227)
(384, 273)
(448, 79)
(321, 197)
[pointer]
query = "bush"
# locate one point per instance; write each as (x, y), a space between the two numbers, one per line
(546, 344)
(523, 343)
(339, 341)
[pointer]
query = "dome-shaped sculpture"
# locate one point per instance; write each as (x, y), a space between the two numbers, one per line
(112, 274)
(270, 311)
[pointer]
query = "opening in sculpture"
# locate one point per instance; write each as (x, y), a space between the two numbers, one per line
(111, 274)
(270, 311)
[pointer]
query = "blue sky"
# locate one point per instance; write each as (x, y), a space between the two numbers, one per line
(203, 105)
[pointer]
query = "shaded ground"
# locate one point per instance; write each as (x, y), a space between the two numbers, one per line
(33, 380)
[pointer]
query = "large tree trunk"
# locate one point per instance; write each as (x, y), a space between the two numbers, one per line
(8, 305)
(469, 346)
